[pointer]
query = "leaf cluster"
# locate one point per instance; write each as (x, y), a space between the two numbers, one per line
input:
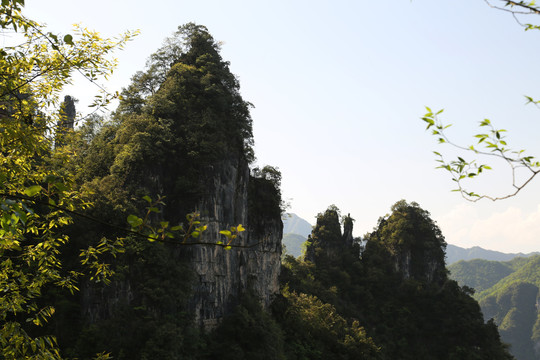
(489, 144)
(37, 195)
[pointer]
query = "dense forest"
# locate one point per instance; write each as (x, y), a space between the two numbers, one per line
(507, 291)
(147, 235)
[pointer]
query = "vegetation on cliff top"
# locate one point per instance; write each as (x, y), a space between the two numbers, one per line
(407, 309)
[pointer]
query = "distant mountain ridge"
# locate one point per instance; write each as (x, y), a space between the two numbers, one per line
(296, 231)
(294, 224)
(456, 253)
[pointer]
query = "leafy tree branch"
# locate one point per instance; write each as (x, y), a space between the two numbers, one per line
(32, 76)
(491, 143)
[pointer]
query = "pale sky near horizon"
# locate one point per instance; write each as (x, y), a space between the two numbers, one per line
(339, 88)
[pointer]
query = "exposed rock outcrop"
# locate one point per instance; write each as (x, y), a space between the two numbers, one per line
(253, 261)
(218, 276)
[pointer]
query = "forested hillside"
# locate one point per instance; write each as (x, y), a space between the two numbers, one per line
(508, 293)
(176, 151)
(397, 290)
(456, 253)
(389, 300)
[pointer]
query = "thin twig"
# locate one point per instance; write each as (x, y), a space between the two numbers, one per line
(532, 10)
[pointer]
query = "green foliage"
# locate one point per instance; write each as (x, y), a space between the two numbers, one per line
(294, 243)
(404, 264)
(248, 333)
(479, 274)
(413, 240)
(515, 313)
(326, 237)
(518, 8)
(407, 309)
(165, 232)
(509, 297)
(231, 235)
(526, 272)
(273, 175)
(178, 119)
(264, 198)
(198, 92)
(491, 144)
(315, 330)
(180, 116)
(143, 313)
(37, 193)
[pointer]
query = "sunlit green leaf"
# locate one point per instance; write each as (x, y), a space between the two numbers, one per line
(68, 39)
(147, 198)
(32, 190)
(134, 221)
(225, 232)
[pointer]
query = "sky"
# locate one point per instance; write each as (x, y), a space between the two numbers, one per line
(339, 88)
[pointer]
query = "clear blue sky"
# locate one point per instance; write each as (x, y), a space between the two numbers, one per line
(339, 88)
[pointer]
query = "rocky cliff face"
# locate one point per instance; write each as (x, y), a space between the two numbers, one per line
(254, 260)
(190, 142)
(419, 264)
(218, 276)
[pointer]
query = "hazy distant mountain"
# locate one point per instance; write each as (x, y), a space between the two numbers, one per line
(295, 232)
(456, 253)
(293, 224)
(293, 243)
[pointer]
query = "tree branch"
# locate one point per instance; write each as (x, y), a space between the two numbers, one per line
(120, 228)
(532, 9)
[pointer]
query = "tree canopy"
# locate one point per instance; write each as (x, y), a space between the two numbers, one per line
(37, 194)
(396, 288)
